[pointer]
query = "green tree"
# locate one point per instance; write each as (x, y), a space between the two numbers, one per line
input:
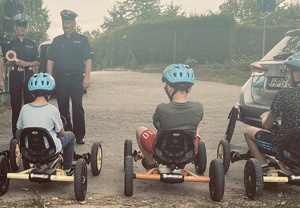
(131, 11)
(245, 12)
(173, 10)
(39, 20)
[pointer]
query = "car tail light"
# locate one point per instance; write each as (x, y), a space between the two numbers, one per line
(257, 69)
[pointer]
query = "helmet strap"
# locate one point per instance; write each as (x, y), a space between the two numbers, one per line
(169, 96)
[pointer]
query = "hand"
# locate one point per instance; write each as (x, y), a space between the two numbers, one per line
(85, 83)
(22, 63)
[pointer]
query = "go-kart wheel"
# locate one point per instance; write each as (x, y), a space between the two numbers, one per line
(223, 154)
(217, 180)
(233, 116)
(127, 149)
(96, 158)
(80, 180)
(14, 155)
(128, 186)
(253, 179)
(4, 169)
(200, 159)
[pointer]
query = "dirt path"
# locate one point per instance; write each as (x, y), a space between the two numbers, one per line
(116, 103)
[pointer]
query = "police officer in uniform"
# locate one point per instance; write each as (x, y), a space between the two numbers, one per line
(70, 62)
(21, 68)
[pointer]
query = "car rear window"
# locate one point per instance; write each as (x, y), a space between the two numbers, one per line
(289, 45)
(286, 47)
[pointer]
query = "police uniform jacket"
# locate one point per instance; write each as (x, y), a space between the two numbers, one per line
(26, 50)
(70, 53)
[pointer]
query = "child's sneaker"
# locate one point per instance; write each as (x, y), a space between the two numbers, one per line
(70, 172)
(265, 170)
(148, 167)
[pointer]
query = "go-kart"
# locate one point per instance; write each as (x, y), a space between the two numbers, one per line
(284, 167)
(41, 162)
(172, 151)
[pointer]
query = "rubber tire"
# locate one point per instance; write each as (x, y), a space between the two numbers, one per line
(14, 155)
(96, 158)
(128, 182)
(253, 179)
(231, 125)
(223, 154)
(127, 149)
(4, 169)
(200, 159)
(80, 180)
(217, 180)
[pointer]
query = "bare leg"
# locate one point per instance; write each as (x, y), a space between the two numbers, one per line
(249, 135)
(148, 155)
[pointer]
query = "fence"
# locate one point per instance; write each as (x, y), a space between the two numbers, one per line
(171, 46)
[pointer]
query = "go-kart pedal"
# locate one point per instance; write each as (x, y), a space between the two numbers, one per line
(85, 156)
(236, 156)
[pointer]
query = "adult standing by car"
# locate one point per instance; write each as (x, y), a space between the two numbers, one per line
(22, 67)
(70, 61)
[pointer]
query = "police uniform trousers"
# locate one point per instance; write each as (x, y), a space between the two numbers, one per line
(70, 87)
(18, 88)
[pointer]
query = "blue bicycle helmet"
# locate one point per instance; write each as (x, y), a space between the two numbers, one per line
(180, 77)
(41, 83)
(178, 74)
(293, 62)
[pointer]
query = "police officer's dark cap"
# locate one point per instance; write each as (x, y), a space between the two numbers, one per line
(67, 15)
(21, 19)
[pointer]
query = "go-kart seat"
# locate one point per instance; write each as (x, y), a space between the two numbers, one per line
(291, 151)
(175, 147)
(37, 146)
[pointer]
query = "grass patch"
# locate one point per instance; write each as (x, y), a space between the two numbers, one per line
(223, 73)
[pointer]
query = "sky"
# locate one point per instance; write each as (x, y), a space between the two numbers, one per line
(91, 13)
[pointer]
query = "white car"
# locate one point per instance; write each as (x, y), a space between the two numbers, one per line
(268, 76)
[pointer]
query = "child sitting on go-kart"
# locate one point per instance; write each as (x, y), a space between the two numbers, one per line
(179, 113)
(40, 113)
(287, 104)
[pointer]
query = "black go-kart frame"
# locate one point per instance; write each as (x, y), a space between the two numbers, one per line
(42, 164)
(172, 151)
(284, 167)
